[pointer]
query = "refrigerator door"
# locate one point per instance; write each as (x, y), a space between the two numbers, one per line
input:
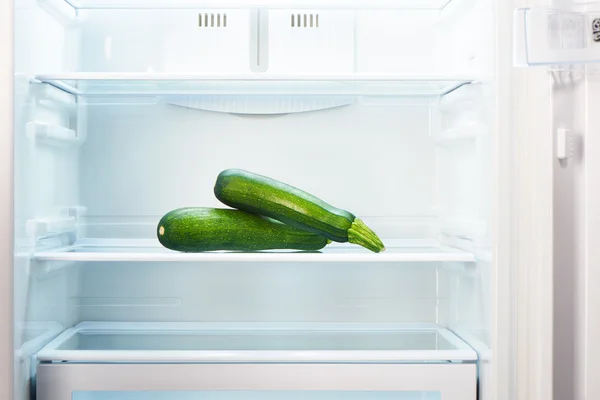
(589, 307)
(562, 39)
(576, 213)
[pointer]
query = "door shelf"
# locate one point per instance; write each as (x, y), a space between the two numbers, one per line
(546, 36)
(141, 84)
(271, 4)
(150, 250)
(104, 342)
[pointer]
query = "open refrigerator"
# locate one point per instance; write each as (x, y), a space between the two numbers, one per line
(426, 118)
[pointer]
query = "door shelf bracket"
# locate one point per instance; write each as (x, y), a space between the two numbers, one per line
(546, 36)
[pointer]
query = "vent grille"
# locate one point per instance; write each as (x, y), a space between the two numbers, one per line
(304, 20)
(212, 20)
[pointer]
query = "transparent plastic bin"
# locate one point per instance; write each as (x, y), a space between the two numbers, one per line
(214, 359)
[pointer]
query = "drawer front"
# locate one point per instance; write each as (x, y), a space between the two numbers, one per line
(252, 381)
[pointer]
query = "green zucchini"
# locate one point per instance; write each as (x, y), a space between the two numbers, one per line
(265, 196)
(197, 229)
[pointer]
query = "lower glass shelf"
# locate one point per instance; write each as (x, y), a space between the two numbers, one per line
(100, 342)
(150, 250)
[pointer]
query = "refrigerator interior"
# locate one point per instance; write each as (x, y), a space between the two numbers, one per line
(127, 110)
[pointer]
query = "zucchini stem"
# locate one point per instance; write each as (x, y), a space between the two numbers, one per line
(362, 235)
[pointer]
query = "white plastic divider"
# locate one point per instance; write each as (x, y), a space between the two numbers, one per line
(60, 349)
(150, 250)
(261, 105)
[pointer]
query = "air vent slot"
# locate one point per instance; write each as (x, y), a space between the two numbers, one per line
(304, 20)
(212, 20)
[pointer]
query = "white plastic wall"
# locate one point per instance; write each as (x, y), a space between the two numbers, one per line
(45, 183)
(45, 177)
(345, 41)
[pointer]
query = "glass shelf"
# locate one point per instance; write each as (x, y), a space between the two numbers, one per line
(257, 342)
(140, 84)
(149, 250)
(272, 4)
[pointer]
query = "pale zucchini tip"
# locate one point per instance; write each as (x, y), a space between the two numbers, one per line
(360, 234)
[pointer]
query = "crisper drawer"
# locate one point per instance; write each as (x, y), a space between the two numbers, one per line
(182, 361)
